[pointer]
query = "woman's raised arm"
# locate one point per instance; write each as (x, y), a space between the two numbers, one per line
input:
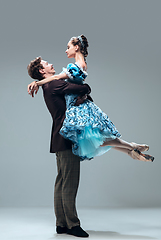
(34, 86)
(54, 77)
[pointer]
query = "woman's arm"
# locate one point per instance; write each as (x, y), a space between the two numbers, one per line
(54, 77)
(34, 86)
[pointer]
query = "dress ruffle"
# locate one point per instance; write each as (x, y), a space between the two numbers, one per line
(88, 127)
(75, 73)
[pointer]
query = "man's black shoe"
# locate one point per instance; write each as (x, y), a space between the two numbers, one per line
(77, 231)
(60, 230)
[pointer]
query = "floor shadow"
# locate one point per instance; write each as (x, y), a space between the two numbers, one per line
(114, 235)
(103, 235)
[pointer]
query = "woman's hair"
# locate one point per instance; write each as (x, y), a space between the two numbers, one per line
(34, 67)
(82, 42)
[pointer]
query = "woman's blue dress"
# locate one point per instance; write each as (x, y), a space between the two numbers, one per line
(86, 125)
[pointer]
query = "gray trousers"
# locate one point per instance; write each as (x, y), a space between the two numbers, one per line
(66, 187)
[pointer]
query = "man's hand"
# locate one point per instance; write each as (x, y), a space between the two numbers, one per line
(80, 100)
(32, 88)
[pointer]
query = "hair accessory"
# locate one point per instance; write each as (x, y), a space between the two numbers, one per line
(81, 40)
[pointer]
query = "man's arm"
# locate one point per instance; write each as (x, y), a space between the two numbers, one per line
(81, 99)
(63, 87)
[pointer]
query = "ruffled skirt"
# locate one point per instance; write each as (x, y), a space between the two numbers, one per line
(88, 127)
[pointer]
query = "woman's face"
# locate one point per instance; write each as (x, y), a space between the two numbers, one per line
(71, 50)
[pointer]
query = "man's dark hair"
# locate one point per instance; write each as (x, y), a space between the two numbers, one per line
(34, 67)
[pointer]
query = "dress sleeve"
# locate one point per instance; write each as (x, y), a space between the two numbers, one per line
(75, 74)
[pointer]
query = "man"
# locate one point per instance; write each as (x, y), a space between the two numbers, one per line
(68, 165)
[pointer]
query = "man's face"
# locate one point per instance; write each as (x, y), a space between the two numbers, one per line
(48, 68)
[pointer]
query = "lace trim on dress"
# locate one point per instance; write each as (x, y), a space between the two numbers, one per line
(68, 73)
(84, 71)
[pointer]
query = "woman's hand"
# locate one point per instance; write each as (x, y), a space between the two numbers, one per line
(32, 88)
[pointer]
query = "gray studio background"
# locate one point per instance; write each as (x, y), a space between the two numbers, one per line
(124, 74)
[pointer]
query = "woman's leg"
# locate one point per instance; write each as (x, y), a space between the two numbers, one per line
(119, 143)
(135, 155)
(124, 150)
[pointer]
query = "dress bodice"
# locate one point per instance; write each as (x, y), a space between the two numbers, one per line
(76, 75)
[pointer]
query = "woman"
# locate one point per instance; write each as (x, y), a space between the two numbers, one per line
(90, 129)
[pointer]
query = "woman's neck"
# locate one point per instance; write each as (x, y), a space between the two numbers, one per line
(79, 58)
